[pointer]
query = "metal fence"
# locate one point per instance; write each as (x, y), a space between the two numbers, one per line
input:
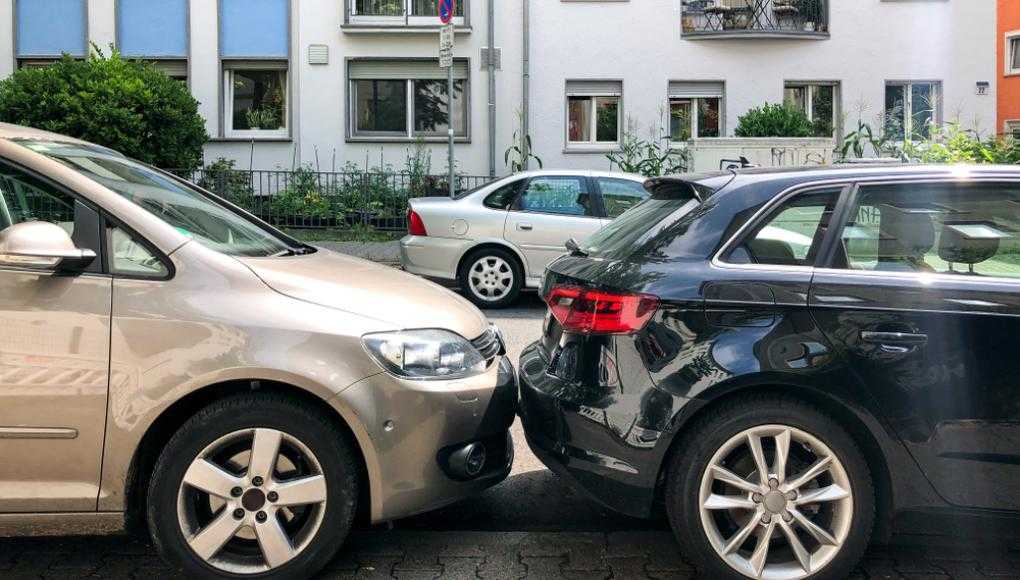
(312, 199)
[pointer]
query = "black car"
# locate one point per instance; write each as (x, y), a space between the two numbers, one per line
(789, 362)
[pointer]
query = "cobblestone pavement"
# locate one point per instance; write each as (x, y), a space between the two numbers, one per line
(492, 555)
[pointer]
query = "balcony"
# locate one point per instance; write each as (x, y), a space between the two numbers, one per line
(399, 16)
(755, 19)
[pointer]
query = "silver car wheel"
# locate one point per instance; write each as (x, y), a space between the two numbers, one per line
(252, 501)
(490, 278)
(776, 503)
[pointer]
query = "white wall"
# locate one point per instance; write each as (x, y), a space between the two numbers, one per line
(636, 41)
(6, 37)
(871, 41)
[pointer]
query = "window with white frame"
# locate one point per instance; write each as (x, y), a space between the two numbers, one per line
(255, 99)
(911, 108)
(406, 99)
(1013, 53)
(399, 12)
(695, 109)
(255, 51)
(594, 113)
(819, 101)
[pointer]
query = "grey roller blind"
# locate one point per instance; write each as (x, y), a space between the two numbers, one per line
(381, 69)
(174, 68)
(594, 87)
(701, 89)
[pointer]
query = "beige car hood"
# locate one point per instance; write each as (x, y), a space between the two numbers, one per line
(370, 290)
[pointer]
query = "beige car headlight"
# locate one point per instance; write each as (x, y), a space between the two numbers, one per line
(425, 354)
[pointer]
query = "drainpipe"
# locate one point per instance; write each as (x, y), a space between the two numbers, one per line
(491, 66)
(526, 74)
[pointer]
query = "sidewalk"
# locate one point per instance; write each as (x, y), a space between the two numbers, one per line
(382, 252)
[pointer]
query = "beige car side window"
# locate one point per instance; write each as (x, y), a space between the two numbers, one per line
(129, 257)
(25, 199)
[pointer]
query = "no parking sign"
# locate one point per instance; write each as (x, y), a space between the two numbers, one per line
(446, 10)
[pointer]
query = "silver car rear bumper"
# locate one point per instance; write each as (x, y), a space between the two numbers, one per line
(432, 257)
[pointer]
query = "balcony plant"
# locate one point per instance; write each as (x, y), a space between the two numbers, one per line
(774, 120)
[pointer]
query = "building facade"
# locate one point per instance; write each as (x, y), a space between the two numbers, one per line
(329, 82)
(1009, 67)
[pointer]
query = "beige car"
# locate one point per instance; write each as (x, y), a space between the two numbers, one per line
(167, 358)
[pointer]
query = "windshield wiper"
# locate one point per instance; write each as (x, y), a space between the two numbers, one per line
(575, 249)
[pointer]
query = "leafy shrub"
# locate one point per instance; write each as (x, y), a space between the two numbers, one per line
(303, 197)
(953, 144)
(125, 105)
(650, 158)
(221, 178)
(773, 120)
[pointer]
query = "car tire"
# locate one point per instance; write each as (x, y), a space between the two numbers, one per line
(491, 278)
(307, 457)
(709, 515)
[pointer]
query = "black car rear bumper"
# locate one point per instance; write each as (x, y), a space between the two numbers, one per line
(575, 440)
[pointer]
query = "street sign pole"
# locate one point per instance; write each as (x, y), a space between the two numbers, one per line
(446, 9)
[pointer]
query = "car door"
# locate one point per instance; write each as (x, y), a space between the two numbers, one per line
(548, 211)
(922, 296)
(54, 359)
(617, 195)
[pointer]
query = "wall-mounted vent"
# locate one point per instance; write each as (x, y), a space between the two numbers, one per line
(318, 54)
(497, 58)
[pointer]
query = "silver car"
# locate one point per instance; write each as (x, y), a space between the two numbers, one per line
(499, 238)
(167, 358)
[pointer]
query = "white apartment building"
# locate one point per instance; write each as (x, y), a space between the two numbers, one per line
(326, 82)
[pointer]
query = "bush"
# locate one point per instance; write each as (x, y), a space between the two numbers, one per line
(772, 120)
(651, 158)
(953, 144)
(128, 106)
(221, 178)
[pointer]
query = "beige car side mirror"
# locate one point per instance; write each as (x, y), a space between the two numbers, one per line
(41, 246)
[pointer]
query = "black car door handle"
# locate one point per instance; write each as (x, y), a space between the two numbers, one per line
(895, 342)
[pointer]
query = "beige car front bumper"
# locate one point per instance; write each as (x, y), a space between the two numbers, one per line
(412, 425)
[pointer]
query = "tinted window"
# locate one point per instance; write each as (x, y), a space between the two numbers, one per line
(558, 195)
(624, 235)
(24, 199)
(940, 228)
(791, 235)
(502, 197)
(619, 195)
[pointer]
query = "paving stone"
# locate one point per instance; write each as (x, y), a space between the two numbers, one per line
(461, 568)
(542, 568)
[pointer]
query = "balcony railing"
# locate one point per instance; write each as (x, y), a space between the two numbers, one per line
(760, 18)
(399, 13)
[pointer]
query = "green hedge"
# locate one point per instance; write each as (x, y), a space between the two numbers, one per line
(126, 105)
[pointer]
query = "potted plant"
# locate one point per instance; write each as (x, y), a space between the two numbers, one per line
(810, 10)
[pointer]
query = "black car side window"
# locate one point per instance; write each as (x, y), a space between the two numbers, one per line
(790, 235)
(944, 228)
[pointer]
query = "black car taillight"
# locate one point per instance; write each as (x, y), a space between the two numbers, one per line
(589, 311)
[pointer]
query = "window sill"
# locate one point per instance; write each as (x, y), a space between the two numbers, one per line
(277, 139)
(405, 140)
(591, 149)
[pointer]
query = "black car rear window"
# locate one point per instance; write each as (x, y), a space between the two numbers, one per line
(624, 235)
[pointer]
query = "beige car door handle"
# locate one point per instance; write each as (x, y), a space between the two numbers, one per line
(524, 227)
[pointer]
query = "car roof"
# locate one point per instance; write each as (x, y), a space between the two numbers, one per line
(585, 172)
(13, 132)
(848, 171)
